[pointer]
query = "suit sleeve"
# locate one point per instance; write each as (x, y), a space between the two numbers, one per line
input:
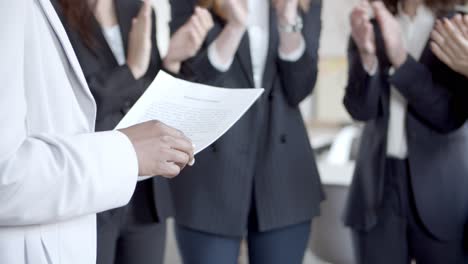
(432, 101)
(362, 97)
(299, 77)
(50, 177)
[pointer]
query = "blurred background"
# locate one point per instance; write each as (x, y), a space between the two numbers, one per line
(332, 133)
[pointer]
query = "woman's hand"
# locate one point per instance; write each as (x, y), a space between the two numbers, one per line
(363, 35)
(161, 150)
(286, 11)
(450, 43)
(139, 46)
(287, 16)
(237, 12)
(186, 41)
(392, 35)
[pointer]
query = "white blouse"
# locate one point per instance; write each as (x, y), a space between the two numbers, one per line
(416, 32)
(258, 28)
(113, 38)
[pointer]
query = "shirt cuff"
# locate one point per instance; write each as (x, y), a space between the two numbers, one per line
(294, 55)
(214, 59)
(373, 69)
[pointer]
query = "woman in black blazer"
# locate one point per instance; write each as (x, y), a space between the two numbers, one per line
(115, 42)
(259, 180)
(408, 198)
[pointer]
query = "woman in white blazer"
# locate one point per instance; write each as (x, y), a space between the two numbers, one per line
(55, 173)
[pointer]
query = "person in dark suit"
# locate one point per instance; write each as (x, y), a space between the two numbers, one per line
(408, 199)
(115, 42)
(260, 180)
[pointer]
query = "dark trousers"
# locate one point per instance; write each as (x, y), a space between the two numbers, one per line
(400, 235)
(278, 246)
(132, 234)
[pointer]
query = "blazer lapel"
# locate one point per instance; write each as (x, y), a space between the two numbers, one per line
(272, 49)
(124, 17)
(244, 58)
(57, 26)
(103, 49)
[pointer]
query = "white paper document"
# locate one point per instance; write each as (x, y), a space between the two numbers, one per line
(202, 112)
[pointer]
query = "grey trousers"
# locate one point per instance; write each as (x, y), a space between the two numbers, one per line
(132, 234)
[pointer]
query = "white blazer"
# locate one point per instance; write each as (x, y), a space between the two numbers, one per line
(55, 173)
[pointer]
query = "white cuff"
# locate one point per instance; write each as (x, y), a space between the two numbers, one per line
(214, 59)
(294, 55)
(371, 70)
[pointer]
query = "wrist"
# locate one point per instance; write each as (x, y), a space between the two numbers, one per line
(236, 27)
(137, 73)
(172, 66)
(399, 60)
(369, 62)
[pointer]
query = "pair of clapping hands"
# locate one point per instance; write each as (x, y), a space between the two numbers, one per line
(449, 38)
(183, 45)
(450, 42)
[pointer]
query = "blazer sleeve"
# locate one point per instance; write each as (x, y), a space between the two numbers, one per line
(199, 68)
(431, 100)
(362, 97)
(49, 177)
(299, 77)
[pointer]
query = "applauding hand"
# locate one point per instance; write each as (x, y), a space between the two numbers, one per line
(139, 46)
(236, 11)
(450, 43)
(186, 42)
(392, 34)
(286, 11)
(363, 35)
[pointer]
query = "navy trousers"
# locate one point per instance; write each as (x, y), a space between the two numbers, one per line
(400, 236)
(278, 246)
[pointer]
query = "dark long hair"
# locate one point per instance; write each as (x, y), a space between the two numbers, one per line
(78, 15)
(439, 7)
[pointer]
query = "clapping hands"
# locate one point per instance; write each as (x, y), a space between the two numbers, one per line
(450, 43)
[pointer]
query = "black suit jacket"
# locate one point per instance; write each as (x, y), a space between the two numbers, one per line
(437, 140)
(114, 87)
(266, 156)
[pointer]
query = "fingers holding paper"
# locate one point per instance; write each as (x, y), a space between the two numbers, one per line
(161, 150)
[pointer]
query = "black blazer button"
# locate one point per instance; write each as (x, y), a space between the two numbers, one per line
(270, 97)
(214, 148)
(283, 139)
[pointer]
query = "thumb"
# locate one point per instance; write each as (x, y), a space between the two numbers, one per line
(380, 11)
(145, 9)
(381, 14)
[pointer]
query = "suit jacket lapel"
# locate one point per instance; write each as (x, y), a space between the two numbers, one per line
(124, 16)
(244, 58)
(272, 49)
(57, 26)
(102, 49)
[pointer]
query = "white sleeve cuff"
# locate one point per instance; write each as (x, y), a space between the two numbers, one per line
(294, 55)
(373, 69)
(214, 59)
